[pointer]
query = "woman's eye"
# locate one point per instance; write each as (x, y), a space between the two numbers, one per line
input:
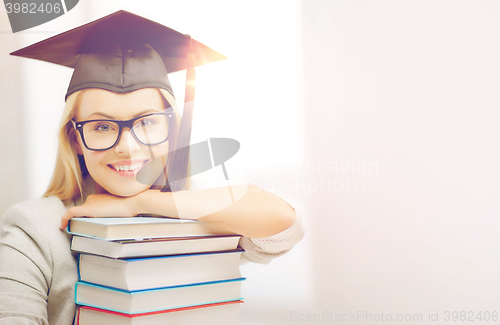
(147, 123)
(103, 127)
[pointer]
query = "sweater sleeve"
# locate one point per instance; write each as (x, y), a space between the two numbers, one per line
(25, 270)
(263, 250)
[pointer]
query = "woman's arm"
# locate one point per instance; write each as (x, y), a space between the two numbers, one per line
(256, 214)
(25, 270)
(38, 272)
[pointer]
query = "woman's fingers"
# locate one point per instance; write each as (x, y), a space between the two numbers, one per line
(100, 205)
(72, 212)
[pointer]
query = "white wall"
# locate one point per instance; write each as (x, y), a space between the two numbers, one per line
(411, 88)
(12, 158)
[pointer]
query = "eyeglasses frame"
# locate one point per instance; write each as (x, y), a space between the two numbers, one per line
(169, 112)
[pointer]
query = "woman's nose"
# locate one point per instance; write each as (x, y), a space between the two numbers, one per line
(127, 143)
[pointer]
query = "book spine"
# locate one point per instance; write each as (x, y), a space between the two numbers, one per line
(162, 311)
(195, 284)
(80, 285)
(78, 266)
(77, 320)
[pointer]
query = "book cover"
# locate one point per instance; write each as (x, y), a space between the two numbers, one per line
(120, 228)
(161, 271)
(144, 301)
(225, 313)
(130, 248)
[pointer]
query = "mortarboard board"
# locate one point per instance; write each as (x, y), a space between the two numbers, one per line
(123, 52)
(135, 51)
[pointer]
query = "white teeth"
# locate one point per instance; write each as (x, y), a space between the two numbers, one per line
(127, 167)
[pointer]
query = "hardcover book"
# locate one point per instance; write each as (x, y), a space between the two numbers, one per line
(161, 271)
(153, 246)
(144, 301)
(226, 313)
(142, 227)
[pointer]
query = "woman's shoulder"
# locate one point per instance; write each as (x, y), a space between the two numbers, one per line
(40, 213)
(41, 201)
(37, 267)
(34, 225)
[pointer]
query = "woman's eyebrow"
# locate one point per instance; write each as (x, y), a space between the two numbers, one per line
(148, 111)
(113, 118)
(102, 114)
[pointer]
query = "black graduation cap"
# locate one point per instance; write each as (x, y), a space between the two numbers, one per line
(123, 52)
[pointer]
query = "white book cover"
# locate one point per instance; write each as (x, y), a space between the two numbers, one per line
(121, 228)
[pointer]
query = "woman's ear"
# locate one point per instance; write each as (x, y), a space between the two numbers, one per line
(78, 148)
(77, 143)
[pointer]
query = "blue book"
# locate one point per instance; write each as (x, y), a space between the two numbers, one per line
(158, 299)
(134, 274)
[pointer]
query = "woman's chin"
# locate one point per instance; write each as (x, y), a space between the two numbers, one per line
(127, 192)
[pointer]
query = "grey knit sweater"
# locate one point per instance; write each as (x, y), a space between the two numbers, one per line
(38, 271)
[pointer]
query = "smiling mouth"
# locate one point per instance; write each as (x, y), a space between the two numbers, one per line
(128, 167)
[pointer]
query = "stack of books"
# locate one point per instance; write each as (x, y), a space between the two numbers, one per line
(149, 270)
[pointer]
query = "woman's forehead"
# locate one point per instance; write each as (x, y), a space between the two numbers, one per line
(104, 103)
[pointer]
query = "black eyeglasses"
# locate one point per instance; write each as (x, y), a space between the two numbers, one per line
(149, 129)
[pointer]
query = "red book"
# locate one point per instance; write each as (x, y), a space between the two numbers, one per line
(224, 313)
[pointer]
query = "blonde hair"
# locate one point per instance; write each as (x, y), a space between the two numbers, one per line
(70, 170)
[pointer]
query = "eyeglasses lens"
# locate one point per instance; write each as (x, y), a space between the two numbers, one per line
(149, 130)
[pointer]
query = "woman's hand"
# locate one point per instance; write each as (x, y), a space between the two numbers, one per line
(101, 205)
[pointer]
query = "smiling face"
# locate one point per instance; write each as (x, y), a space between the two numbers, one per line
(114, 170)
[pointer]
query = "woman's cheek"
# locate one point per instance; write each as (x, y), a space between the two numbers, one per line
(160, 150)
(93, 159)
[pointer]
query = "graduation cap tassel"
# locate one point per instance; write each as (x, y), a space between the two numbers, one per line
(179, 166)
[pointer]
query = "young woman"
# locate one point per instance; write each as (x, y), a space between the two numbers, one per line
(102, 146)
